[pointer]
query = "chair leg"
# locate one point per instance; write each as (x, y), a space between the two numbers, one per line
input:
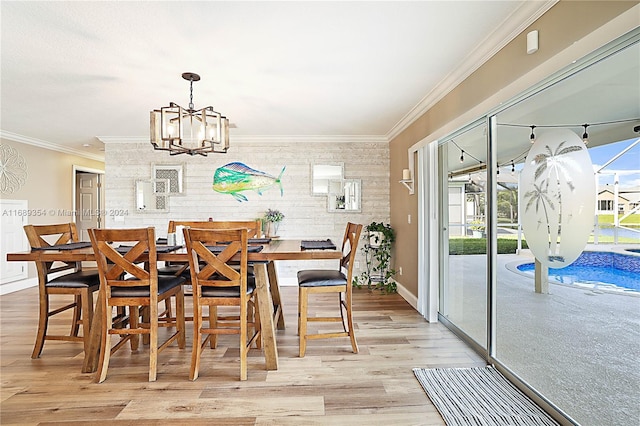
(43, 322)
(105, 344)
(168, 311)
(197, 340)
(77, 314)
(213, 324)
(243, 339)
(134, 321)
(180, 324)
(153, 342)
(352, 334)
(299, 307)
(303, 302)
(256, 321)
(87, 315)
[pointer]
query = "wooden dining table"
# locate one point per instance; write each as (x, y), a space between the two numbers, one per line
(267, 287)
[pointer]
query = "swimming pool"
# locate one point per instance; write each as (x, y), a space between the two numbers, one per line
(597, 269)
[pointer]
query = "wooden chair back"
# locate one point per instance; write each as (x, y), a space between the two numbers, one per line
(39, 236)
(253, 226)
(113, 265)
(221, 269)
(349, 249)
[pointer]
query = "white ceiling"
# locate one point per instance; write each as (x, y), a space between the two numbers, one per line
(75, 71)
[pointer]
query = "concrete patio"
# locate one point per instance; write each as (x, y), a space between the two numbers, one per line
(578, 347)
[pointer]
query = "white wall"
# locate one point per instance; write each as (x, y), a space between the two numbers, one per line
(306, 216)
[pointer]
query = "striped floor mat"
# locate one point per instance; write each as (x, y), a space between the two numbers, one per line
(479, 396)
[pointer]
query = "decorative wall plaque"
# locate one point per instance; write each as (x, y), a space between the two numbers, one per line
(13, 169)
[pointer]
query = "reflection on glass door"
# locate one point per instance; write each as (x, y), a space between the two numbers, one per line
(463, 185)
(575, 339)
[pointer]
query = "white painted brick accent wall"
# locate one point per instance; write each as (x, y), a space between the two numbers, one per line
(306, 216)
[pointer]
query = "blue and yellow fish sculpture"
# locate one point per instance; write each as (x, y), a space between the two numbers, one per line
(234, 178)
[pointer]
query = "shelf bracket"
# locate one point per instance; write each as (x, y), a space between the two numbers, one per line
(409, 184)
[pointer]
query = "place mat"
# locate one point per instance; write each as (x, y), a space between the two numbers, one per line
(317, 245)
(479, 396)
(219, 249)
(259, 240)
(252, 241)
(70, 246)
(123, 249)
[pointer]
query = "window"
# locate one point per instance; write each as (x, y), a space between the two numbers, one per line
(605, 205)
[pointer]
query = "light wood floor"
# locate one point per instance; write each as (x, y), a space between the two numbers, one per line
(330, 385)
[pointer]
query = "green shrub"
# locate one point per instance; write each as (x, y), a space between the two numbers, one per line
(458, 246)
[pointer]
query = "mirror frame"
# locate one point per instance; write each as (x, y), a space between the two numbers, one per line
(160, 194)
(337, 189)
(174, 174)
(320, 185)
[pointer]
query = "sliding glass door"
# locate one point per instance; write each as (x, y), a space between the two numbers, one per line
(521, 191)
(463, 295)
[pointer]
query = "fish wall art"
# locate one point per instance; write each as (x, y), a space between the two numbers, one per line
(234, 178)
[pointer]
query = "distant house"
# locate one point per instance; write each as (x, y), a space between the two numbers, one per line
(628, 200)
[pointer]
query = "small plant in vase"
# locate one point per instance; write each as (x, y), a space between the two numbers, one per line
(477, 228)
(272, 219)
(377, 250)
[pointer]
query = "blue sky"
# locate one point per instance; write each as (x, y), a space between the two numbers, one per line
(630, 161)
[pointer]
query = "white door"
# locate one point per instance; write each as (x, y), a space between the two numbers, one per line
(13, 238)
(88, 203)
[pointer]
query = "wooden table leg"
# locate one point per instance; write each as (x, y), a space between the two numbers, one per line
(274, 286)
(90, 364)
(266, 316)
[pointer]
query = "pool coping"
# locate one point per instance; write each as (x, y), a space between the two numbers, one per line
(594, 286)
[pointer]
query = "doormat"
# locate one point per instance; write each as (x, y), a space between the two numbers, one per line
(479, 396)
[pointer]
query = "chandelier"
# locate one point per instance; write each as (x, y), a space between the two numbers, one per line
(189, 131)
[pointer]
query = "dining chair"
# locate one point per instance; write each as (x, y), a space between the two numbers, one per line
(254, 229)
(219, 282)
(316, 281)
(182, 269)
(124, 282)
(78, 283)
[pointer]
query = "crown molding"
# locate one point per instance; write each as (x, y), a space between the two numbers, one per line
(510, 28)
(267, 139)
(14, 137)
(312, 139)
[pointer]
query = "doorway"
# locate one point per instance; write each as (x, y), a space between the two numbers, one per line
(88, 200)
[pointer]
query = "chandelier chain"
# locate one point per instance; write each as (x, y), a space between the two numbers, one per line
(191, 93)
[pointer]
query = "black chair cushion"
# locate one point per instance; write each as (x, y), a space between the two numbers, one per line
(229, 291)
(165, 283)
(76, 280)
(321, 278)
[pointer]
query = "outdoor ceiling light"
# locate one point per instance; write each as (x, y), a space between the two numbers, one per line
(585, 135)
(187, 130)
(532, 137)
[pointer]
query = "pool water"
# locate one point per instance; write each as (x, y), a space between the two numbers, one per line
(600, 268)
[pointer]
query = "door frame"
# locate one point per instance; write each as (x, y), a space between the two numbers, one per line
(81, 169)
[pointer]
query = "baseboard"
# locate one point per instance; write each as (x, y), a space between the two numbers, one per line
(407, 295)
(18, 285)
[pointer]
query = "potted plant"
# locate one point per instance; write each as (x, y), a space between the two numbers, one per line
(378, 258)
(477, 228)
(272, 219)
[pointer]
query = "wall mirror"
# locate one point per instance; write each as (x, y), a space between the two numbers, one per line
(152, 195)
(344, 195)
(321, 174)
(173, 173)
